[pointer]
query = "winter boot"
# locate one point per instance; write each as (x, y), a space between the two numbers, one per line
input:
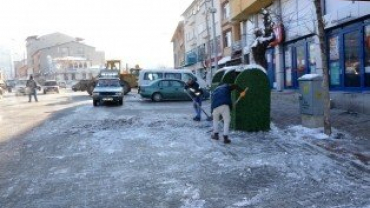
(214, 136)
(226, 140)
(196, 118)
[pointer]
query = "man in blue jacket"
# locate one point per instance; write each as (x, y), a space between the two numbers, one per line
(221, 105)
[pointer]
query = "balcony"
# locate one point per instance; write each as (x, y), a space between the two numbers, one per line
(242, 9)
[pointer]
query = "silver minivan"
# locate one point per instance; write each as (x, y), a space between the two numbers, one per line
(146, 76)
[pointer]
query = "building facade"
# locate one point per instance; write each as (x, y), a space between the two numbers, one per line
(6, 63)
(202, 37)
(178, 41)
(59, 56)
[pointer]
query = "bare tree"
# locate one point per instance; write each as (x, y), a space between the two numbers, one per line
(326, 94)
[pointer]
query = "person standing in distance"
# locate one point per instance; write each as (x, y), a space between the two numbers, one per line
(32, 87)
(221, 105)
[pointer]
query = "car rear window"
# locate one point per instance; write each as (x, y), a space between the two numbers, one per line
(51, 83)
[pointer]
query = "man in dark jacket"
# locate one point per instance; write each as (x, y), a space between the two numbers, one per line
(32, 87)
(196, 93)
(221, 105)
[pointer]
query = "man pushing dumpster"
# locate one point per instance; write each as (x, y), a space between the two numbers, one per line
(221, 105)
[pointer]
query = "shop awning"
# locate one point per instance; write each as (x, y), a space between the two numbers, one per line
(224, 60)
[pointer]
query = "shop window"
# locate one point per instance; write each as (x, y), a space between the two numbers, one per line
(334, 68)
(367, 55)
(312, 56)
(351, 60)
(288, 67)
(301, 65)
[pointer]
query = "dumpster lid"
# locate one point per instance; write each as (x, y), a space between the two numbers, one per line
(307, 77)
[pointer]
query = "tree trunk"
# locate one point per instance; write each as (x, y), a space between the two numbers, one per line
(326, 94)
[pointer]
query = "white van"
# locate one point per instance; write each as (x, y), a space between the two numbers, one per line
(146, 76)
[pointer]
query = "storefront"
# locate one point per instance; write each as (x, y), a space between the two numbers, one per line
(299, 59)
(349, 56)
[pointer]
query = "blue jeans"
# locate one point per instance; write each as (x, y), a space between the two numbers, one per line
(34, 93)
(197, 103)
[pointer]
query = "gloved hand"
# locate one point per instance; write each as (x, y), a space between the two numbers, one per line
(242, 94)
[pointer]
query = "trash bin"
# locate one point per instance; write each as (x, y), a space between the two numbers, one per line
(311, 103)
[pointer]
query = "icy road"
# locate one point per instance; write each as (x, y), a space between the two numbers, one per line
(63, 152)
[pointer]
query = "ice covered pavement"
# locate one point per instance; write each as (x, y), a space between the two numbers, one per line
(154, 155)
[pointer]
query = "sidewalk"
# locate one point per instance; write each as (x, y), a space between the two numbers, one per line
(351, 131)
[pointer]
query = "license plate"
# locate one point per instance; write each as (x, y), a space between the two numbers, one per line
(107, 99)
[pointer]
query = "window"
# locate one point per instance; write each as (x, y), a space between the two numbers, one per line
(334, 68)
(164, 84)
(367, 55)
(172, 76)
(301, 65)
(64, 51)
(227, 39)
(352, 60)
(288, 66)
(153, 76)
(177, 84)
(187, 76)
(80, 51)
(226, 11)
(312, 56)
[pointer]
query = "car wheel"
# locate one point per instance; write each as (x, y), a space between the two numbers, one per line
(95, 102)
(157, 97)
(120, 102)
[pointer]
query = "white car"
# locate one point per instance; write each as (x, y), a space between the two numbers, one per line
(20, 87)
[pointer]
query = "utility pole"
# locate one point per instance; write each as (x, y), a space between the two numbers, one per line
(209, 52)
(213, 10)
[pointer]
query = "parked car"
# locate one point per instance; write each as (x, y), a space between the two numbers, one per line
(62, 84)
(20, 87)
(146, 76)
(10, 84)
(1, 92)
(167, 89)
(50, 86)
(108, 90)
(2, 85)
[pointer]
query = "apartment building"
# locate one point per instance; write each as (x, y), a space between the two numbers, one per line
(178, 41)
(296, 51)
(202, 37)
(347, 28)
(62, 57)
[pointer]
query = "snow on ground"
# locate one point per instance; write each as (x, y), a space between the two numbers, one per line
(154, 155)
